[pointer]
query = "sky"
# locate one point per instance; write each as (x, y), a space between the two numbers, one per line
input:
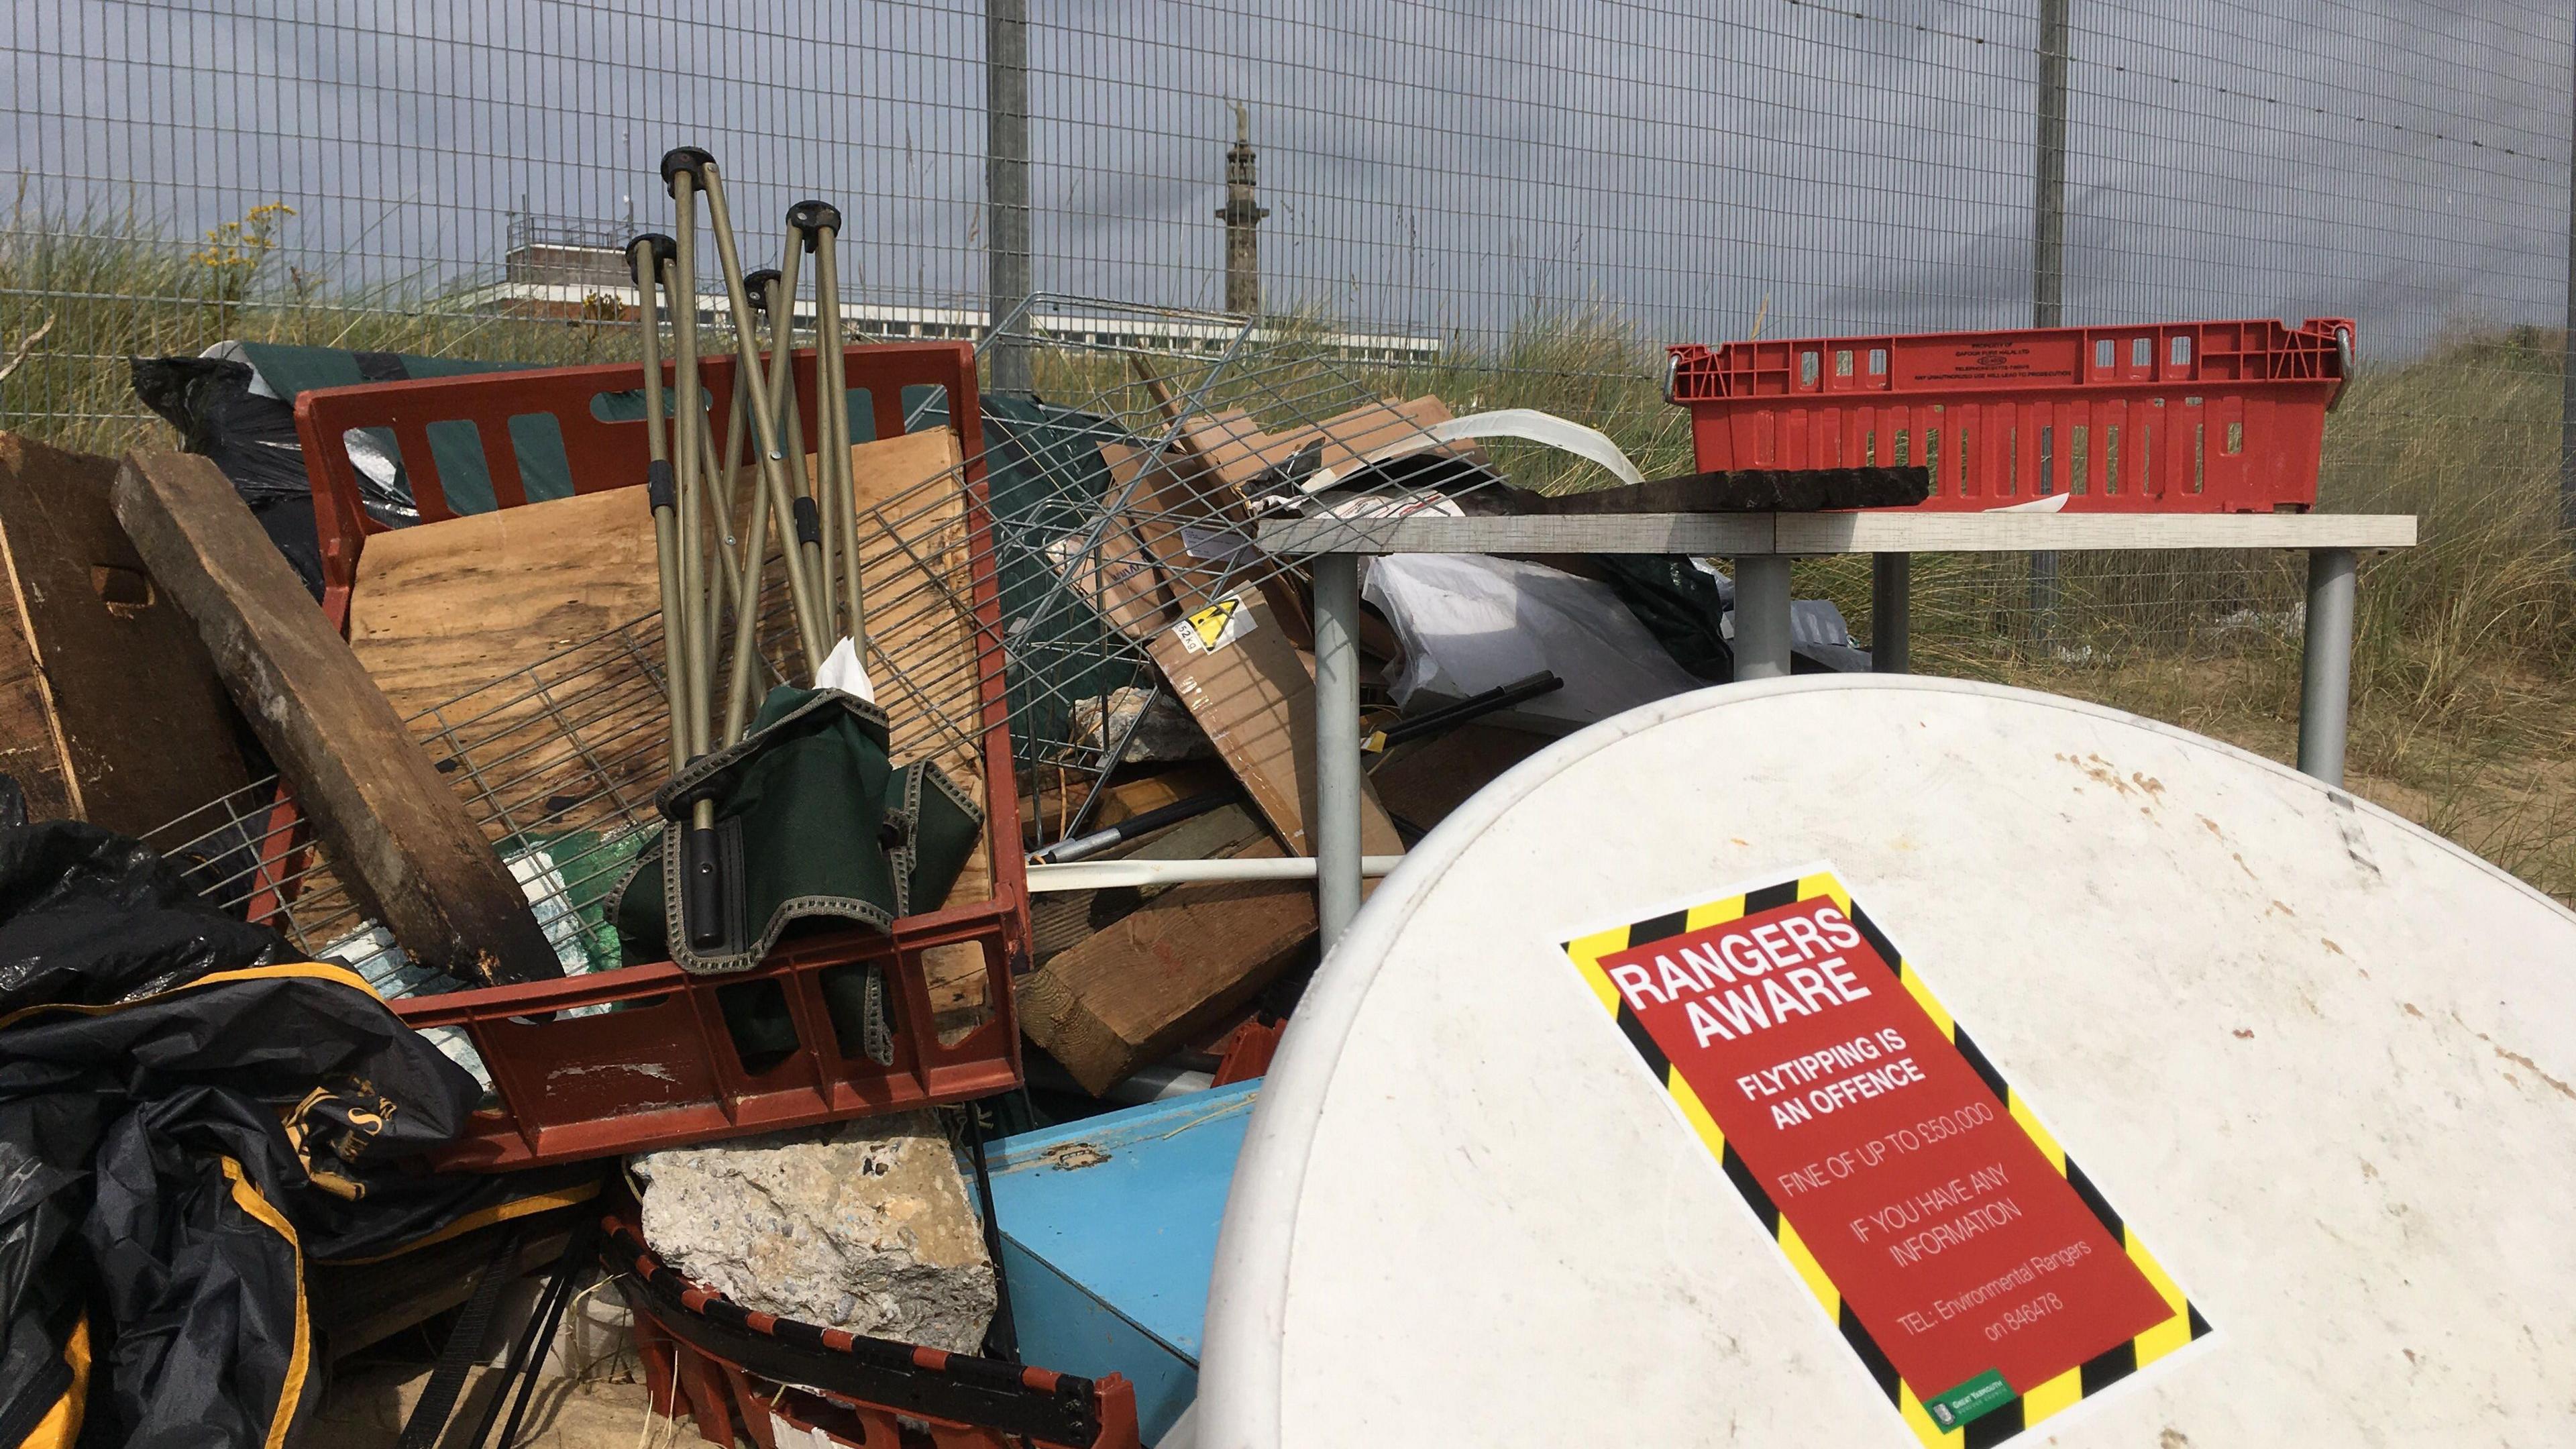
(1679, 168)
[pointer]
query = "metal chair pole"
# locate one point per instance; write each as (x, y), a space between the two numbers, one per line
(822, 235)
(698, 165)
(645, 256)
(790, 421)
(681, 635)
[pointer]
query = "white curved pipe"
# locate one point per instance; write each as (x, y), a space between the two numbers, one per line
(1093, 875)
(1526, 423)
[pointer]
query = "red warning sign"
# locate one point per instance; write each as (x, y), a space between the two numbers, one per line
(1897, 1162)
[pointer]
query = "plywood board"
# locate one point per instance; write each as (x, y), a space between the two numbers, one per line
(1146, 984)
(447, 607)
(926, 656)
(1236, 451)
(1119, 579)
(32, 749)
(1423, 780)
(1253, 693)
(1047, 811)
(1893, 530)
(471, 627)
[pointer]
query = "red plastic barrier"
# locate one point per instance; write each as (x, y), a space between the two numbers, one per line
(740, 1375)
(2183, 417)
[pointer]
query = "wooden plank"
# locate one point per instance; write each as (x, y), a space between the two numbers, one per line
(1894, 531)
(109, 708)
(1144, 986)
(1119, 800)
(32, 749)
(916, 561)
(1253, 693)
(1691, 533)
(447, 607)
(1422, 781)
(1170, 494)
(1060, 920)
(395, 834)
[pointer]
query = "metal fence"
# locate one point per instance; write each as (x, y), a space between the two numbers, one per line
(1521, 201)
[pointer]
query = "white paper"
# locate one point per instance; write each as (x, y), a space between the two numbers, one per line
(842, 671)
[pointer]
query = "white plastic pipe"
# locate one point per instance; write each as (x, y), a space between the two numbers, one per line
(1528, 424)
(1094, 875)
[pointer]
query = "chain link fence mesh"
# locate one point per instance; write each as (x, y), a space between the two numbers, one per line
(1507, 205)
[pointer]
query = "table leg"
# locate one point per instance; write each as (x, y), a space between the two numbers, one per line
(1336, 828)
(1761, 617)
(2325, 667)
(1891, 585)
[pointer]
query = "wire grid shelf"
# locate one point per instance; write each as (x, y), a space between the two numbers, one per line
(557, 762)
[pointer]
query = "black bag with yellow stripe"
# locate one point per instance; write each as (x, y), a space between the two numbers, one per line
(189, 1117)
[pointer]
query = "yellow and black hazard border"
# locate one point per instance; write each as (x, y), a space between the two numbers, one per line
(1996, 1425)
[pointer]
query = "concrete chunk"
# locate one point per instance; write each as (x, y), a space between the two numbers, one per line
(864, 1226)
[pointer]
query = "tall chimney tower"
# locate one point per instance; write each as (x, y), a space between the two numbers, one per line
(1242, 217)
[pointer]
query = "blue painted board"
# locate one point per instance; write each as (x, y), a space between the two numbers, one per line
(1109, 1234)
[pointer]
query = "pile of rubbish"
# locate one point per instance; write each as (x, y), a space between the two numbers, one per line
(445, 864)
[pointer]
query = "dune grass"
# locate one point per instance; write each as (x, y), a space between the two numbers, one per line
(2465, 666)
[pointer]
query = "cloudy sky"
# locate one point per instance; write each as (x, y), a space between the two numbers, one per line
(1428, 166)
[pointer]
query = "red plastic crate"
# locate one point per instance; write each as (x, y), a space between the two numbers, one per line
(663, 1070)
(2182, 417)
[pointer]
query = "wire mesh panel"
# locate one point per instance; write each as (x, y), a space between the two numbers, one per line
(557, 762)
(1116, 515)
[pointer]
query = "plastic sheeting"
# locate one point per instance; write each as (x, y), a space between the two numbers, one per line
(1470, 623)
(187, 1111)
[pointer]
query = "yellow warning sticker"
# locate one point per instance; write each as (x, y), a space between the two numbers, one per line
(1207, 630)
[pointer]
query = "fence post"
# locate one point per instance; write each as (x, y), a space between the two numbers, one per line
(2048, 260)
(2567, 347)
(1006, 183)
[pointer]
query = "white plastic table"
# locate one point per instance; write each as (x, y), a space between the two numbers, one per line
(2318, 1063)
(1762, 545)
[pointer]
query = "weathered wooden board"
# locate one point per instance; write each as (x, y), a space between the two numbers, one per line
(1423, 780)
(1044, 813)
(471, 626)
(916, 562)
(32, 749)
(397, 836)
(1119, 579)
(109, 708)
(1060, 920)
(1144, 986)
(1895, 530)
